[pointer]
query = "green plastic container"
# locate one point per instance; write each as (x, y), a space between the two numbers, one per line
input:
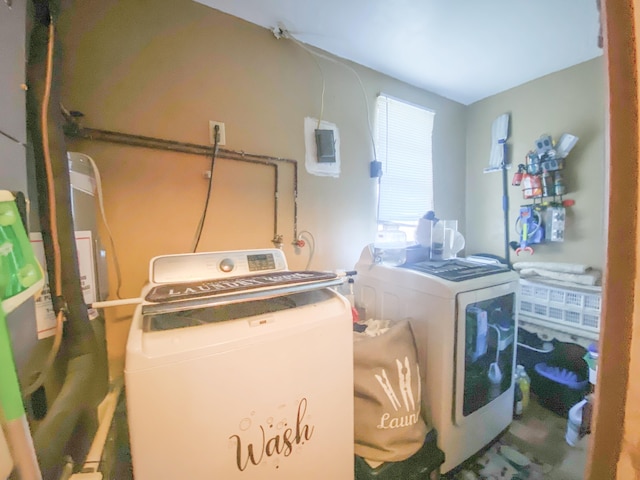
(20, 273)
(20, 278)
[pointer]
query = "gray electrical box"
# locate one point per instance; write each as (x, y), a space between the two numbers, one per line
(325, 146)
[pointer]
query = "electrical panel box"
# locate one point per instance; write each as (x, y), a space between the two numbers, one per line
(326, 146)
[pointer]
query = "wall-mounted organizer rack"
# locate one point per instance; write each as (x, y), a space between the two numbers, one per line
(542, 181)
(541, 176)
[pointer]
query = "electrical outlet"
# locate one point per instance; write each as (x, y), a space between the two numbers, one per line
(222, 139)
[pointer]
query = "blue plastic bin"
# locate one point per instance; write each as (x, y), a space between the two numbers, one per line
(562, 381)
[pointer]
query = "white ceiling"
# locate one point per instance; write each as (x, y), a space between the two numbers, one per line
(465, 50)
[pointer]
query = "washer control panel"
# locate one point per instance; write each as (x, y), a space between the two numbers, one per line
(191, 267)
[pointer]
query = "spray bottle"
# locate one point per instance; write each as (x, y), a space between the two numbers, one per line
(348, 293)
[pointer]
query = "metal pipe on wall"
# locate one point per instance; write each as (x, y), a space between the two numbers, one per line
(231, 154)
(73, 129)
(276, 194)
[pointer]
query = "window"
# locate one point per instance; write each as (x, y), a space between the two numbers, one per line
(403, 146)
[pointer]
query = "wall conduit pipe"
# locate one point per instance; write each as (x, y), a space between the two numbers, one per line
(74, 130)
(275, 202)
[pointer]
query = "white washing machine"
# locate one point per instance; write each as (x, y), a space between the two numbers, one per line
(464, 319)
(237, 368)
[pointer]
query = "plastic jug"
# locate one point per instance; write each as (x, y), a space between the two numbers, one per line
(573, 423)
(446, 241)
(592, 361)
(390, 247)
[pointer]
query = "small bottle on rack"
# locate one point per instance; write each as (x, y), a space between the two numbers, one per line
(547, 184)
(558, 183)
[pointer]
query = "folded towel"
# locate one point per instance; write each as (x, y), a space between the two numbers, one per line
(553, 266)
(592, 277)
(595, 289)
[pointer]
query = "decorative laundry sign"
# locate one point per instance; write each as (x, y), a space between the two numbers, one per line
(388, 423)
(257, 443)
(410, 414)
(208, 288)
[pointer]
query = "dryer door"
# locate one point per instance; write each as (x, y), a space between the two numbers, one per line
(485, 350)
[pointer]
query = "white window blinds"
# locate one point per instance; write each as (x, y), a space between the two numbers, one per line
(403, 146)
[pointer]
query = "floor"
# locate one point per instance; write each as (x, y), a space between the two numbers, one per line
(118, 465)
(540, 435)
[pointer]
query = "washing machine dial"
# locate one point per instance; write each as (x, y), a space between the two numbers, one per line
(226, 265)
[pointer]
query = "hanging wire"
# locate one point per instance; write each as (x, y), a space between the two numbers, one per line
(315, 60)
(116, 262)
(312, 246)
(286, 34)
(386, 159)
(198, 234)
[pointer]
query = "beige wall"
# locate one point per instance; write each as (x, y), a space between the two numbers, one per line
(572, 101)
(164, 69)
(165, 72)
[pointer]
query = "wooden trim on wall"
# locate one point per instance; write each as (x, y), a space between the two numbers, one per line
(620, 271)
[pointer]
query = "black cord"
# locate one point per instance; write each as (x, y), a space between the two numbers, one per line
(206, 204)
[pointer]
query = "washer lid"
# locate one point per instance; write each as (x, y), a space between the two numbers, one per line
(257, 312)
(456, 270)
(183, 295)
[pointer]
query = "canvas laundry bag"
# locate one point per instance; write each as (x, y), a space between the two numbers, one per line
(389, 426)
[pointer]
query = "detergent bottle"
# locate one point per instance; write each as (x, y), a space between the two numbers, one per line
(390, 247)
(517, 402)
(524, 382)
